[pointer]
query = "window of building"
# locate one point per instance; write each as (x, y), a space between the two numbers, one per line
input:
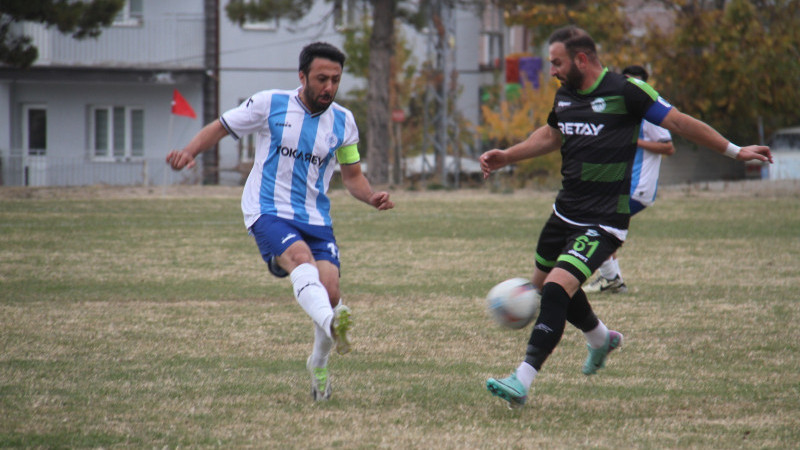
(266, 25)
(34, 129)
(344, 14)
(247, 149)
(131, 14)
(246, 146)
(117, 132)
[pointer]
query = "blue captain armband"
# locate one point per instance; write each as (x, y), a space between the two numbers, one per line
(348, 154)
(658, 111)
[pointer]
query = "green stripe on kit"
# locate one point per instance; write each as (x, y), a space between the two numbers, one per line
(624, 204)
(545, 262)
(577, 263)
(603, 172)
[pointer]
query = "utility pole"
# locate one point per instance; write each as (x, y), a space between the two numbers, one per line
(211, 86)
(440, 92)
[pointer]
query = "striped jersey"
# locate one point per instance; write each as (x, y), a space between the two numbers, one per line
(647, 165)
(296, 153)
(599, 128)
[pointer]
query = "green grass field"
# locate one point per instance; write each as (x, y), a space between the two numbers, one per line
(149, 320)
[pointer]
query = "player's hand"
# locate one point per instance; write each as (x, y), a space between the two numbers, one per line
(492, 160)
(178, 159)
(758, 152)
(381, 202)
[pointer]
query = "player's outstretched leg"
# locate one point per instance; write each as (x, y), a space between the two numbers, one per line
(597, 356)
(340, 325)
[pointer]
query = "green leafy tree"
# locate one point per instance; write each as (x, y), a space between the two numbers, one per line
(605, 20)
(731, 64)
(82, 20)
(240, 11)
(403, 81)
(514, 119)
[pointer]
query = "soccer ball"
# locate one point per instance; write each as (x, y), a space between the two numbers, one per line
(513, 303)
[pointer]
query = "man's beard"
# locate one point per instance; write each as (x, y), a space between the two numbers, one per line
(310, 96)
(574, 78)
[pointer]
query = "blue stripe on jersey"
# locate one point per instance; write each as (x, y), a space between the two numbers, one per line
(277, 114)
(308, 134)
(323, 203)
(636, 172)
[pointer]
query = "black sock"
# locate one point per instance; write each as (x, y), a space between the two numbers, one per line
(549, 325)
(580, 314)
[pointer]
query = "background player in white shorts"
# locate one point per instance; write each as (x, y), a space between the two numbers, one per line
(301, 135)
(654, 141)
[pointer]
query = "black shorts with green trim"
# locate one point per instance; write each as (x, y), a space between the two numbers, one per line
(577, 249)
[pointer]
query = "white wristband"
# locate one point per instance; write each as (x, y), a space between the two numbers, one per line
(732, 150)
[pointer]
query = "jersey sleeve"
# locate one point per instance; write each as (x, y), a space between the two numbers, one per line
(249, 117)
(552, 118)
(642, 100)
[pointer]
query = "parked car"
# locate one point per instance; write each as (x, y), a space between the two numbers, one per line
(785, 147)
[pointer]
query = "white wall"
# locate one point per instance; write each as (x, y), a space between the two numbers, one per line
(5, 118)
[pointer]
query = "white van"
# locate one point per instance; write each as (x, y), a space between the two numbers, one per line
(785, 147)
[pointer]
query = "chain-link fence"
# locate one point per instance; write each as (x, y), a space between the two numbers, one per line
(59, 171)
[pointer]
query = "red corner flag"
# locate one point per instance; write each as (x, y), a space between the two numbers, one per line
(180, 106)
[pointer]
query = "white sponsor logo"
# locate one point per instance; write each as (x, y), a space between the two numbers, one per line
(287, 237)
(579, 128)
(598, 105)
(563, 103)
(578, 255)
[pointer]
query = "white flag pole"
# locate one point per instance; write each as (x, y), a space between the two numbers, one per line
(169, 149)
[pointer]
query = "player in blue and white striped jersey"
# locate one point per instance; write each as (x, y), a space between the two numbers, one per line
(301, 135)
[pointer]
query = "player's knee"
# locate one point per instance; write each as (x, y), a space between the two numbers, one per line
(295, 256)
(555, 296)
(553, 310)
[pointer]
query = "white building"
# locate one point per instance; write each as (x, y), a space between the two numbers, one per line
(97, 111)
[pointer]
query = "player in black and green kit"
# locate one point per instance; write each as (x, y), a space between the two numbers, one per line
(595, 123)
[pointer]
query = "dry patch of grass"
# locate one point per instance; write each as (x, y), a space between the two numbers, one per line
(148, 320)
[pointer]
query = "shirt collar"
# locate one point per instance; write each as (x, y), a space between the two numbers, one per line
(596, 83)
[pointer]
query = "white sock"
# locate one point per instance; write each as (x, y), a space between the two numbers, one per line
(610, 268)
(597, 336)
(525, 374)
(322, 347)
(312, 296)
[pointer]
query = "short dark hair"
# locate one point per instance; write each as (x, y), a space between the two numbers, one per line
(636, 71)
(576, 40)
(319, 50)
